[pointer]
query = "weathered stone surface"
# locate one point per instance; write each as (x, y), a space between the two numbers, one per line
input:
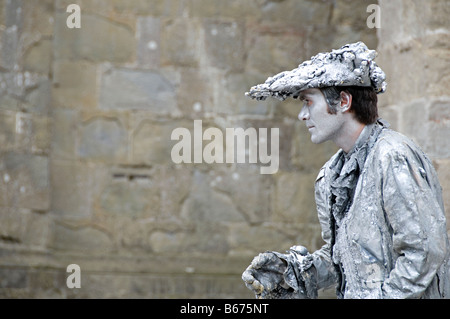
(179, 41)
(224, 42)
(70, 184)
(38, 99)
(439, 129)
(306, 156)
(195, 94)
(65, 131)
(13, 278)
(128, 89)
(7, 130)
(103, 139)
(74, 85)
(294, 198)
(253, 196)
(230, 99)
(83, 239)
(296, 13)
(149, 42)
(152, 143)
(282, 51)
(97, 40)
(38, 19)
(38, 57)
(26, 181)
(32, 133)
(137, 199)
(442, 167)
(205, 204)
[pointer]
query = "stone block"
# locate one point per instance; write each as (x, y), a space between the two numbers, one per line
(88, 240)
(207, 205)
(390, 114)
(175, 186)
(10, 37)
(7, 130)
(296, 13)
(438, 142)
(103, 138)
(196, 91)
(74, 85)
(12, 226)
(294, 201)
(38, 19)
(229, 97)
(412, 113)
(136, 199)
(252, 240)
(179, 42)
(250, 191)
(32, 133)
(26, 181)
(65, 132)
(23, 227)
(285, 130)
(271, 53)
(402, 19)
(43, 280)
(207, 238)
(38, 229)
(149, 42)
(224, 44)
(128, 89)
(232, 9)
(13, 278)
(71, 185)
(99, 39)
(38, 57)
(426, 121)
(151, 140)
(442, 167)
(408, 79)
(38, 98)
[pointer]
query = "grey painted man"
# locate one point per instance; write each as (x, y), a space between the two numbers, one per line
(378, 199)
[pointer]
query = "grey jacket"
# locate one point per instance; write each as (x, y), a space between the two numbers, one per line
(390, 240)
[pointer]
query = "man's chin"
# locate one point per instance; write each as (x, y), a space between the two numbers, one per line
(316, 140)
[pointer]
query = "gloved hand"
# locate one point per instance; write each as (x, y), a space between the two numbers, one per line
(265, 277)
(272, 275)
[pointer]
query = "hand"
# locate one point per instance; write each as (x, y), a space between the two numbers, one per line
(264, 276)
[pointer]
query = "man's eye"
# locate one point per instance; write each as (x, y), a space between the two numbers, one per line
(307, 102)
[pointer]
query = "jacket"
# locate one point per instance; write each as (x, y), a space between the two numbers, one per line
(389, 239)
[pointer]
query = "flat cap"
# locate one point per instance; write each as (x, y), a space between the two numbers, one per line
(351, 65)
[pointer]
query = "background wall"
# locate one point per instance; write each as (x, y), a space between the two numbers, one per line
(86, 117)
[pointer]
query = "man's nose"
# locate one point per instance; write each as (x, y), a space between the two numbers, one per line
(304, 114)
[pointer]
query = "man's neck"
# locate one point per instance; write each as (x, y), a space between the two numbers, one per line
(349, 135)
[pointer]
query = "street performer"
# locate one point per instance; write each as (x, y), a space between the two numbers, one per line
(379, 201)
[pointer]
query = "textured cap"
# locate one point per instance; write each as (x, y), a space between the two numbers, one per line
(351, 65)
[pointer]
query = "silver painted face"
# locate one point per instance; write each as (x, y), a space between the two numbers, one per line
(322, 125)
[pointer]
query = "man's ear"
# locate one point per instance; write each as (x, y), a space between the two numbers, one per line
(346, 101)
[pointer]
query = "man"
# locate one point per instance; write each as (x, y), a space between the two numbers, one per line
(378, 198)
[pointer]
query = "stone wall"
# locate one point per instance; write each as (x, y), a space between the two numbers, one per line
(87, 115)
(414, 50)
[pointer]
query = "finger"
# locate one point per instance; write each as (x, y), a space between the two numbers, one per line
(257, 287)
(247, 276)
(262, 260)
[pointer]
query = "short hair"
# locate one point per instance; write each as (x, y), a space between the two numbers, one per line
(364, 101)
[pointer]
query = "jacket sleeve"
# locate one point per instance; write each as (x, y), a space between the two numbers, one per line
(326, 275)
(412, 204)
